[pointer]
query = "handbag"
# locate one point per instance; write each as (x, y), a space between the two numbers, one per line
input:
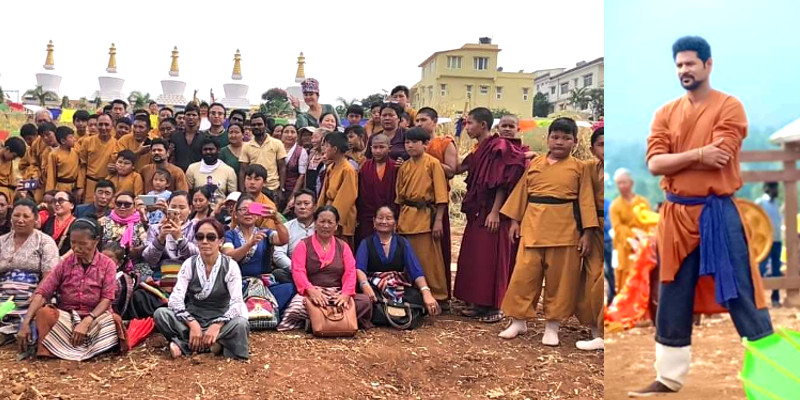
(262, 308)
(330, 320)
(400, 315)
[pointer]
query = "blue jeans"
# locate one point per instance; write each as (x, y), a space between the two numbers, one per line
(608, 270)
(774, 258)
(676, 298)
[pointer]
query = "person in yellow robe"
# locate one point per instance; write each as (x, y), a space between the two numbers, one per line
(125, 179)
(63, 163)
(95, 157)
(13, 148)
(340, 188)
(623, 221)
(422, 198)
(33, 164)
(550, 206)
(138, 142)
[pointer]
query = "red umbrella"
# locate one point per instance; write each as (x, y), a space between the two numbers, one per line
(139, 330)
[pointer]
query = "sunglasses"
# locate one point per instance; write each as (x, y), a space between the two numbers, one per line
(61, 201)
(124, 204)
(200, 237)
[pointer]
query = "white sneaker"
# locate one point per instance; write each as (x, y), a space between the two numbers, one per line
(517, 327)
(594, 344)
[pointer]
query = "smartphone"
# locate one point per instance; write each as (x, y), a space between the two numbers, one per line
(30, 184)
(259, 209)
(148, 200)
(173, 215)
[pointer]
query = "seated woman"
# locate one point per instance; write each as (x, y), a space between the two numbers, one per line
(26, 258)
(324, 270)
(170, 242)
(80, 325)
(386, 262)
(124, 225)
(57, 225)
(252, 248)
(205, 311)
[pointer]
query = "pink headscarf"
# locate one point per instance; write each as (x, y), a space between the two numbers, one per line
(130, 227)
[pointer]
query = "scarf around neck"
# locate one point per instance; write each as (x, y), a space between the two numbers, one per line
(130, 227)
(209, 169)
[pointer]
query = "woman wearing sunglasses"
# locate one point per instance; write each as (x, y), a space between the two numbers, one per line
(124, 225)
(205, 309)
(57, 226)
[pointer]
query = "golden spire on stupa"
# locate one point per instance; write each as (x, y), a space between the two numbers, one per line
(112, 59)
(301, 71)
(237, 66)
(48, 62)
(173, 68)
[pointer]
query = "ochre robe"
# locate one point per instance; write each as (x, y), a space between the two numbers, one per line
(128, 142)
(623, 221)
(484, 263)
(176, 173)
(8, 182)
(437, 147)
(131, 183)
(95, 155)
(340, 190)
(589, 309)
(376, 188)
(549, 237)
(421, 187)
(680, 126)
(62, 170)
(32, 166)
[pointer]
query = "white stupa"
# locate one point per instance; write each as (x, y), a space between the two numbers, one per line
(111, 84)
(47, 78)
(236, 91)
(172, 89)
(296, 90)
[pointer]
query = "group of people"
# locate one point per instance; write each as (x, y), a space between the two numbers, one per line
(214, 233)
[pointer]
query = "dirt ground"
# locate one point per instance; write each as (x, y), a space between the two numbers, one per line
(449, 357)
(716, 359)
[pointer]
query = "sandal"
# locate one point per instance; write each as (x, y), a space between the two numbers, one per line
(492, 317)
(471, 312)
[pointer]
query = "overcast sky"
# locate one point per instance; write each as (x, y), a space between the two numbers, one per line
(353, 49)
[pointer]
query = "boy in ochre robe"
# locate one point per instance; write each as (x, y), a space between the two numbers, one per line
(33, 165)
(255, 178)
(550, 207)
(63, 163)
(126, 179)
(356, 140)
(590, 293)
(138, 143)
(95, 157)
(341, 184)
(422, 198)
(122, 127)
(484, 263)
(377, 180)
(12, 149)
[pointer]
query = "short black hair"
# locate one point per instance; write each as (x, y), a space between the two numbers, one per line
(406, 117)
(209, 140)
(123, 120)
(170, 121)
(320, 210)
(165, 174)
(151, 102)
(394, 106)
(203, 104)
(16, 146)
(262, 116)
(191, 107)
(71, 197)
(145, 119)
(62, 132)
(127, 155)
(256, 170)
(80, 115)
(224, 110)
(596, 135)
(105, 183)
(171, 111)
(338, 140)
(26, 203)
(241, 112)
(140, 111)
(399, 88)
(45, 127)
(563, 124)
(771, 185)
(692, 43)
(357, 129)
(305, 192)
(119, 101)
(430, 112)
(94, 116)
(355, 109)
(483, 114)
(417, 135)
(179, 113)
(107, 108)
(28, 130)
(161, 142)
(376, 104)
(335, 117)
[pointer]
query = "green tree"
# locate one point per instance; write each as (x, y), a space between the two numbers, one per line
(138, 100)
(41, 95)
(366, 102)
(541, 107)
(579, 98)
(97, 102)
(499, 112)
(2, 96)
(276, 103)
(596, 102)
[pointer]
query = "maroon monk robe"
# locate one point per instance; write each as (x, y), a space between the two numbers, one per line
(373, 193)
(484, 263)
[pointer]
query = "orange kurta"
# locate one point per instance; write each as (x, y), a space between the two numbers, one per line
(680, 126)
(128, 142)
(94, 155)
(62, 170)
(589, 308)
(438, 145)
(341, 190)
(624, 221)
(130, 183)
(31, 165)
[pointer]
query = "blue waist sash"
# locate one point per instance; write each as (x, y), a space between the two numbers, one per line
(715, 256)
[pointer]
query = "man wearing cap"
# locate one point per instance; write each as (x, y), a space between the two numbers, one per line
(315, 109)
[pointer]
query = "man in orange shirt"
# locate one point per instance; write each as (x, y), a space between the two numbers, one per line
(694, 143)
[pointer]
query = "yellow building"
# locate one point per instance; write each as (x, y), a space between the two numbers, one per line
(470, 74)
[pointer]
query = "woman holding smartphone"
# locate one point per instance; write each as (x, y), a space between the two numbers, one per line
(170, 242)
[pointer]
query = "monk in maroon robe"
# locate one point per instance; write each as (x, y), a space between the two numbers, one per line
(377, 180)
(485, 261)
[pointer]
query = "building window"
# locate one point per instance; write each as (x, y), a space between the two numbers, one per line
(587, 80)
(454, 62)
(430, 92)
(469, 91)
(565, 88)
(484, 89)
(499, 92)
(552, 90)
(524, 94)
(443, 88)
(480, 63)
